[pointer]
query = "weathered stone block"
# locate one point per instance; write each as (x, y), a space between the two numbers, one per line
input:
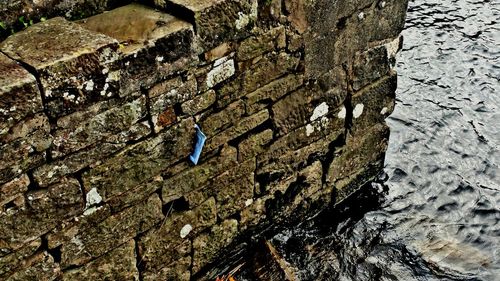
(68, 229)
(179, 270)
(197, 176)
(88, 157)
(349, 29)
(24, 147)
(74, 64)
(19, 95)
(362, 158)
(10, 190)
(374, 103)
(297, 197)
(307, 104)
(271, 40)
(165, 95)
(111, 232)
(220, 51)
(369, 66)
(222, 70)
(12, 11)
(199, 103)
(243, 126)
(292, 151)
(207, 245)
(215, 21)
(136, 195)
(39, 267)
(264, 71)
(119, 264)
(271, 92)
(254, 144)
(112, 126)
(233, 189)
(217, 122)
(269, 10)
(141, 162)
(149, 40)
(18, 259)
(44, 210)
(160, 247)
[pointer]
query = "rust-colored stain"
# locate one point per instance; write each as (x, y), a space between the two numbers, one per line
(167, 117)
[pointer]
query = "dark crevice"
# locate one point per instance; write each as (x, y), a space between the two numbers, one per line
(348, 101)
(177, 205)
(341, 23)
(138, 259)
(149, 116)
(9, 205)
(55, 252)
(33, 185)
(330, 155)
(32, 70)
(79, 177)
(181, 12)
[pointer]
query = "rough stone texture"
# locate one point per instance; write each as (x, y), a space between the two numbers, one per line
(139, 163)
(261, 73)
(255, 46)
(10, 190)
(149, 40)
(11, 11)
(167, 94)
(74, 64)
(356, 159)
(207, 245)
(198, 176)
(111, 232)
(15, 260)
(377, 101)
(179, 270)
(215, 21)
(43, 211)
(118, 264)
(97, 123)
(112, 126)
(199, 103)
(305, 105)
(271, 92)
(19, 95)
(345, 31)
(26, 148)
(244, 125)
(254, 145)
(163, 245)
(39, 267)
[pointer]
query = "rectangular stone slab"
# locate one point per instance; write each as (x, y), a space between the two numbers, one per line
(149, 40)
(19, 95)
(73, 63)
(215, 20)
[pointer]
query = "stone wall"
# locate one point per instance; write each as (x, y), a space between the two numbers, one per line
(97, 122)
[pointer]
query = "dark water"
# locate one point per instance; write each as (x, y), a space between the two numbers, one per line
(439, 216)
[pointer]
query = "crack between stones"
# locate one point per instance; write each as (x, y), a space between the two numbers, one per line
(348, 101)
(149, 116)
(138, 259)
(32, 70)
(182, 13)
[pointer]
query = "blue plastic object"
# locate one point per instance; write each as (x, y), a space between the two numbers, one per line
(198, 147)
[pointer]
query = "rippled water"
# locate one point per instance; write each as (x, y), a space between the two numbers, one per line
(439, 218)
